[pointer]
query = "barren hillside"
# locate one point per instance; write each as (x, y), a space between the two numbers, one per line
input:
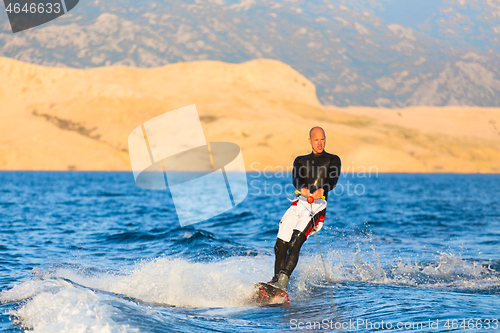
(71, 119)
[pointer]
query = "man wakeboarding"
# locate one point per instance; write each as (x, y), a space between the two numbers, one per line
(314, 175)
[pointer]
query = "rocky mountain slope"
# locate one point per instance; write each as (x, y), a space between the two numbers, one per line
(386, 53)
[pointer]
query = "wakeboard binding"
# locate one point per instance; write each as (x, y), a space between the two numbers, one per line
(269, 294)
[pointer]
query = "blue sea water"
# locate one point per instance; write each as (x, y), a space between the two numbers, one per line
(92, 252)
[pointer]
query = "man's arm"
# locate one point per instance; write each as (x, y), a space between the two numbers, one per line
(298, 181)
(333, 174)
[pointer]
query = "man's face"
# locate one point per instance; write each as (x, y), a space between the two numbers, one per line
(317, 140)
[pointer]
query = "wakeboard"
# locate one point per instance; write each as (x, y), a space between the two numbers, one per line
(268, 294)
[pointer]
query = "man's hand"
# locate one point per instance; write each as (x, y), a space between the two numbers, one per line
(318, 194)
(305, 192)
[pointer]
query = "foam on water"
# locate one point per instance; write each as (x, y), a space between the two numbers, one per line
(72, 300)
(180, 283)
(57, 306)
(446, 271)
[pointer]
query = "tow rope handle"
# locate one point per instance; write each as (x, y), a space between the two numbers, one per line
(310, 199)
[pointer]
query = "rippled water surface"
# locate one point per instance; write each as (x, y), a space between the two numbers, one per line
(92, 252)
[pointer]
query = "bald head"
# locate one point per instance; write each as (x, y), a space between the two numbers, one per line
(315, 129)
(317, 139)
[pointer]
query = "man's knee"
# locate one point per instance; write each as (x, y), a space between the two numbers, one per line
(298, 238)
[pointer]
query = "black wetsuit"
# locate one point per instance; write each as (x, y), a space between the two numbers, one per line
(313, 171)
(316, 171)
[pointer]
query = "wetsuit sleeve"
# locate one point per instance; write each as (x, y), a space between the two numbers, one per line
(333, 174)
(298, 181)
